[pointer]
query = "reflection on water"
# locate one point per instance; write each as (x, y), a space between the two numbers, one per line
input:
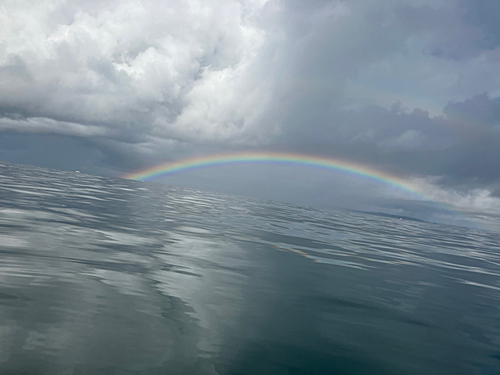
(108, 276)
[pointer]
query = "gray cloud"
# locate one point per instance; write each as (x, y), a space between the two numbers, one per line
(483, 14)
(461, 145)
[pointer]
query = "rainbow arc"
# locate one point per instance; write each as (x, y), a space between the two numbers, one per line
(304, 160)
(281, 158)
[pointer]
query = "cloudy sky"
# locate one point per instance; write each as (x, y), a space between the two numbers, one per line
(410, 87)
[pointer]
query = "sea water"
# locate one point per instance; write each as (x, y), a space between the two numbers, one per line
(110, 276)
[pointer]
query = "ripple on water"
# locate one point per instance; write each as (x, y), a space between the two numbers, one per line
(105, 275)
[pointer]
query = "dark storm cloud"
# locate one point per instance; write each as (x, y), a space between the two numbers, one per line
(335, 42)
(65, 152)
(463, 145)
(477, 111)
(408, 86)
(484, 14)
(453, 37)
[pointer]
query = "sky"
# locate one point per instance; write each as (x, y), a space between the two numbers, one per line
(408, 87)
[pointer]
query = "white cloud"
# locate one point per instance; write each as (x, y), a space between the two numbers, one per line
(477, 204)
(136, 64)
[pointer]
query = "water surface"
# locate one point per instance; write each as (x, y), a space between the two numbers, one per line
(109, 276)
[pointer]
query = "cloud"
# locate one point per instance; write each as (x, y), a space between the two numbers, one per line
(480, 205)
(483, 14)
(176, 71)
(48, 125)
(474, 200)
(170, 70)
(478, 111)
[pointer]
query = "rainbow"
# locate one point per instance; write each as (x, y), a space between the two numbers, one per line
(295, 159)
(305, 160)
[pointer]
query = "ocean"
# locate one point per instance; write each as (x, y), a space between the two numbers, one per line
(110, 276)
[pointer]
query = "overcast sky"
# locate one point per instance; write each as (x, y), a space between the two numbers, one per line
(410, 87)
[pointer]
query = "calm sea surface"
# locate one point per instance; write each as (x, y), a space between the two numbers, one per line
(108, 276)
